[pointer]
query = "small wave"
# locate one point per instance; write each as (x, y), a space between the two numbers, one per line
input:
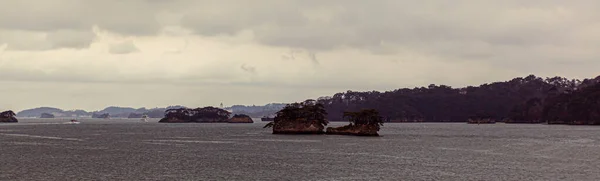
(29, 143)
(193, 141)
(291, 141)
(42, 137)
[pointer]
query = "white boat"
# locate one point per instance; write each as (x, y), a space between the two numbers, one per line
(145, 118)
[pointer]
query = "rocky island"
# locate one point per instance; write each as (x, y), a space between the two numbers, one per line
(8, 117)
(197, 115)
(307, 117)
(240, 118)
(362, 123)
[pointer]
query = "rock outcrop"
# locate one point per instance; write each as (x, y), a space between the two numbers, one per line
(240, 118)
(8, 117)
(298, 127)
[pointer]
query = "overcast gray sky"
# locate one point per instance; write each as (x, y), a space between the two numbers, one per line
(91, 54)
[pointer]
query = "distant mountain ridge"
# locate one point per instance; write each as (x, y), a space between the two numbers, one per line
(128, 112)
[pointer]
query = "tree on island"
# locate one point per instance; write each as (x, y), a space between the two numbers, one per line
(440, 103)
(8, 116)
(527, 112)
(367, 117)
(581, 106)
(366, 122)
(299, 118)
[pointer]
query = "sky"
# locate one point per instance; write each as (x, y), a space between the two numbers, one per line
(90, 54)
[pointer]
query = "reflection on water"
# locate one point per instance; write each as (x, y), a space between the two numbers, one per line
(123, 149)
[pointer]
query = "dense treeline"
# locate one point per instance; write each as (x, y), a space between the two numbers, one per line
(517, 100)
(574, 107)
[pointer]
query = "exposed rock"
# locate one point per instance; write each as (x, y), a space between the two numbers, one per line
(240, 118)
(8, 117)
(47, 115)
(298, 127)
(357, 130)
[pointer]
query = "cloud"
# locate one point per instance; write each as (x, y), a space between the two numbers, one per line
(126, 47)
(248, 69)
(136, 17)
(324, 46)
(33, 40)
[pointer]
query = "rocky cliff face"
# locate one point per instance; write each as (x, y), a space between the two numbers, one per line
(9, 120)
(357, 130)
(240, 119)
(298, 127)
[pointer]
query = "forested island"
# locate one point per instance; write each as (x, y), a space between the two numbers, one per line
(366, 122)
(531, 99)
(309, 117)
(203, 115)
(8, 117)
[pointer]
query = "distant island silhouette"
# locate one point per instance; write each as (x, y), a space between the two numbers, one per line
(127, 112)
(530, 99)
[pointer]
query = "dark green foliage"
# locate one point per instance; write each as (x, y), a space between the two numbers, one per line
(440, 103)
(574, 107)
(303, 112)
(269, 125)
(368, 117)
(527, 112)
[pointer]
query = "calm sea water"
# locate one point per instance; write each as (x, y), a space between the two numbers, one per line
(37, 149)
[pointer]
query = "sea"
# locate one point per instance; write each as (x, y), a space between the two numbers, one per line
(129, 149)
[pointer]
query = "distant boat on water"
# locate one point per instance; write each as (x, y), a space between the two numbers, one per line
(145, 118)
